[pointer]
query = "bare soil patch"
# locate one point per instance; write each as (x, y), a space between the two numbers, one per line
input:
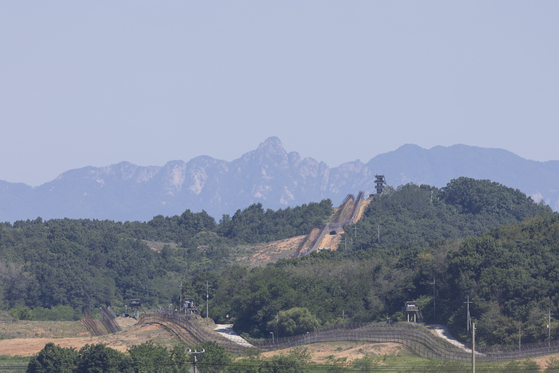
(362, 208)
(331, 241)
(41, 329)
(322, 352)
(542, 361)
(261, 254)
(120, 341)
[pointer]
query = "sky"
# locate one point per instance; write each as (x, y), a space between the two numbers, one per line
(86, 83)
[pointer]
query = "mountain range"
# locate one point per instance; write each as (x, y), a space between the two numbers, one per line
(269, 175)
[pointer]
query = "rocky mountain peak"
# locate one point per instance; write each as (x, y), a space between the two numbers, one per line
(272, 146)
(268, 175)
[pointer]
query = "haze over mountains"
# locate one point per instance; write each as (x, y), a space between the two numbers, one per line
(269, 175)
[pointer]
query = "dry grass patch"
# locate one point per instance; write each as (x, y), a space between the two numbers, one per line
(262, 254)
(323, 352)
(42, 329)
(120, 341)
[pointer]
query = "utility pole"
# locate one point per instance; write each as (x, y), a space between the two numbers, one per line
(277, 324)
(345, 243)
(474, 348)
(468, 319)
(549, 314)
(189, 351)
(207, 299)
(434, 302)
(180, 300)
(378, 234)
(519, 336)
(343, 315)
(355, 234)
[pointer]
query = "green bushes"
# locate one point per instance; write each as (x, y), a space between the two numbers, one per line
(293, 322)
(57, 313)
(21, 313)
(89, 263)
(150, 358)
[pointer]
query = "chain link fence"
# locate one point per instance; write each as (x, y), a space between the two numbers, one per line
(416, 337)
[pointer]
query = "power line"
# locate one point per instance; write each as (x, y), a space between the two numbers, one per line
(434, 301)
(468, 319)
(549, 314)
(207, 299)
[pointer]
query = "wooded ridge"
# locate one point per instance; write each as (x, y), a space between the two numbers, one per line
(475, 237)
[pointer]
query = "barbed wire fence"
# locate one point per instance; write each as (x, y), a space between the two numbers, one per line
(414, 336)
(334, 226)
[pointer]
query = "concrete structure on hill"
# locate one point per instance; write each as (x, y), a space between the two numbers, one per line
(380, 183)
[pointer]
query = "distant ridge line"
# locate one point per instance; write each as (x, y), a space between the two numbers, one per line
(267, 175)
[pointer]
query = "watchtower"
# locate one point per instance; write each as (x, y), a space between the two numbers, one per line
(380, 183)
(190, 307)
(412, 311)
(136, 303)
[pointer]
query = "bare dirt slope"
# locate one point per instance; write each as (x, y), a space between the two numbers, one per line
(362, 208)
(323, 352)
(544, 360)
(334, 242)
(331, 242)
(261, 254)
(41, 329)
(122, 341)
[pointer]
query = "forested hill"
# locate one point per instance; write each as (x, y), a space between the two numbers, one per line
(510, 274)
(422, 214)
(425, 233)
(249, 225)
(86, 263)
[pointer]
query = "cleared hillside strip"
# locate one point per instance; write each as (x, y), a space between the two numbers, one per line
(335, 226)
(343, 206)
(356, 206)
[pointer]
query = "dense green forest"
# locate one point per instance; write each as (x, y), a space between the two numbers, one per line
(424, 233)
(423, 214)
(251, 225)
(509, 273)
(87, 263)
(476, 238)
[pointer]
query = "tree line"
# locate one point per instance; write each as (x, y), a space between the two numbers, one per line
(81, 263)
(478, 249)
(474, 237)
(149, 358)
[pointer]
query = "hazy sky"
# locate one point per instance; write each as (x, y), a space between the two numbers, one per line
(95, 83)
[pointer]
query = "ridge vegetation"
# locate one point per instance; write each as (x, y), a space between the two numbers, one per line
(87, 263)
(476, 238)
